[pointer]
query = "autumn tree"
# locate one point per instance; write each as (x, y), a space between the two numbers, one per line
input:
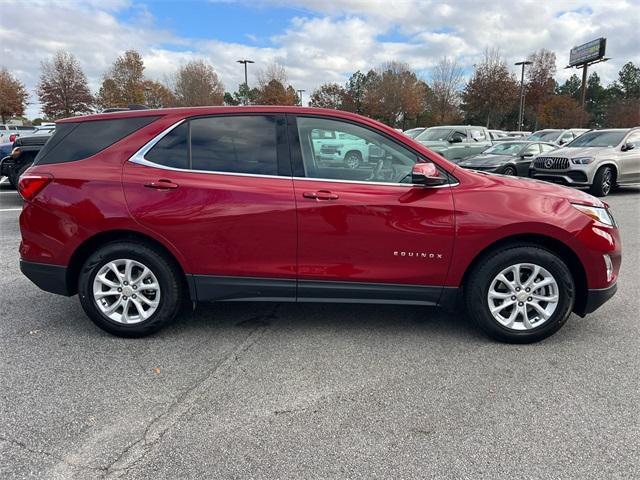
(492, 92)
(13, 95)
(560, 111)
(272, 90)
(157, 95)
(329, 95)
(540, 83)
(355, 91)
(446, 81)
(63, 89)
(123, 84)
(394, 94)
(197, 84)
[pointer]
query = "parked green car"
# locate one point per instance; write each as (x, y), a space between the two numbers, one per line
(456, 142)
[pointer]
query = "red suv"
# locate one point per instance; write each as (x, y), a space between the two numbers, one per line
(137, 211)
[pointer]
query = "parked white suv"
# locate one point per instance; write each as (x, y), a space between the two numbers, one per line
(599, 159)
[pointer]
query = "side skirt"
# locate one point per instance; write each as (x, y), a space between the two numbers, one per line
(229, 289)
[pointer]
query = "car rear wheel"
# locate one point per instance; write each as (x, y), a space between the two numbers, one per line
(352, 159)
(130, 289)
(521, 294)
(510, 171)
(603, 182)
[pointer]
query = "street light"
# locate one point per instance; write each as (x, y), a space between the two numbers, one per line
(521, 111)
(300, 92)
(245, 61)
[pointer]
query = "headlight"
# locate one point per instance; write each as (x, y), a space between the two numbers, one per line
(582, 160)
(601, 215)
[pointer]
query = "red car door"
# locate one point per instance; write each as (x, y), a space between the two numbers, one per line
(224, 200)
(366, 232)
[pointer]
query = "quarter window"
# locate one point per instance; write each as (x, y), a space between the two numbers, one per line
(351, 153)
(238, 144)
(173, 149)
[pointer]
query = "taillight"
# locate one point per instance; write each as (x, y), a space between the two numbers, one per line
(12, 137)
(31, 184)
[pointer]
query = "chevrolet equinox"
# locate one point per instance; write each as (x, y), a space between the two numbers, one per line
(140, 211)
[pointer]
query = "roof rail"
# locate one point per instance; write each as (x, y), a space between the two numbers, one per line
(132, 106)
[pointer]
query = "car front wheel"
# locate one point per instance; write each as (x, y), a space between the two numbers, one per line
(129, 289)
(603, 182)
(521, 294)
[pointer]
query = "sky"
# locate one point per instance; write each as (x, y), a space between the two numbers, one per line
(317, 41)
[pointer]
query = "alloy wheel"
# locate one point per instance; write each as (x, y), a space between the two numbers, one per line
(126, 291)
(523, 296)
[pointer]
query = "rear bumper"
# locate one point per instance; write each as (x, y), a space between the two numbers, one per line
(50, 278)
(596, 297)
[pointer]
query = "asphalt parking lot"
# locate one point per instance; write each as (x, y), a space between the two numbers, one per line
(262, 390)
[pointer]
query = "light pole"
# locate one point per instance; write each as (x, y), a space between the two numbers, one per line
(246, 83)
(300, 92)
(521, 111)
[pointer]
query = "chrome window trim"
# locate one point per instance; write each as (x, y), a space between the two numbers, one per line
(139, 158)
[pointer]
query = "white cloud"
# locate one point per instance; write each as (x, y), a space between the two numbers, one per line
(326, 42)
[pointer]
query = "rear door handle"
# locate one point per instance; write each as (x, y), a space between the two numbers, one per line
(321, 195)
(162, 184)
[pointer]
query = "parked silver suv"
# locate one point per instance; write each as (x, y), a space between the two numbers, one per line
(599, 159)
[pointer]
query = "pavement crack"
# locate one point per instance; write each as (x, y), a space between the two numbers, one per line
(27, 448)
(162, 423)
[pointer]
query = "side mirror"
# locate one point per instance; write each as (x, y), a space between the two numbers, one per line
(525, 155)
(426, 174)
(455, 140)
(626, 147)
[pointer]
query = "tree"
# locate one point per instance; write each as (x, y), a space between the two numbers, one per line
(13, 95)
(394, 94)
(446, 80)
(123, 84)
(623, 113)
(628, 81)
(243, 95)
(329, 95)
(560, 111)
(540, 83)
(274, 93)
(197, 84)
(492, 92)
(63, 89)
(157, 95)
(571, 87)
(355, 92)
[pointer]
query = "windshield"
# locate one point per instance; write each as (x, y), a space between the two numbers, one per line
(598, 139)
(434, 134)
(548, 136)
(507, 148)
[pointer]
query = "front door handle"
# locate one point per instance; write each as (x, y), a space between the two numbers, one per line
(162, 184)
(321, 195)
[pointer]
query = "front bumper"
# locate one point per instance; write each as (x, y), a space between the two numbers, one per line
(596, 297)
(50, 278)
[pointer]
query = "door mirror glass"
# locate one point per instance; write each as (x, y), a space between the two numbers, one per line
(426, 174)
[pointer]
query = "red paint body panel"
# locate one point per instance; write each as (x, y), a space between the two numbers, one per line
(264, 227)
(375, 233)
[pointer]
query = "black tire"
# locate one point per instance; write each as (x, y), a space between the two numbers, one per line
(510, 171)
(14, 175)
(480, 280)
(353, 159)
(167, 273)
(603, 181)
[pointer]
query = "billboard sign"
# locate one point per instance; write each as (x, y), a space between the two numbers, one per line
(588, 52)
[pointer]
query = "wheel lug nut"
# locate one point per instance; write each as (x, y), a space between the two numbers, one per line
(124, 297)
(528, 289)
(126, 283)
(133, 296)
(513, 298)
(529, 299)
(517, 288)
(135, 287)
(520, 304)
(119, 289)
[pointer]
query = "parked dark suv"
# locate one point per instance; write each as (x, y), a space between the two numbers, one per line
(136, 211)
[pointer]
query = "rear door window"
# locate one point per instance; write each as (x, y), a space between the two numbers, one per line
(173, 149)
(78, 140)
(237, 144)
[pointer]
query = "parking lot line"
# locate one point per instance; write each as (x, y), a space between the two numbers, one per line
(10, 209)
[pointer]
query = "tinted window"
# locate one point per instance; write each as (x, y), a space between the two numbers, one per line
(172, 150)
(356, 153)
(600, 138)
(634, 139)
(75, 141)
(235, 144)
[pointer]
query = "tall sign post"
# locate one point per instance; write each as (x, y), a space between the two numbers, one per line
(582, 57)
